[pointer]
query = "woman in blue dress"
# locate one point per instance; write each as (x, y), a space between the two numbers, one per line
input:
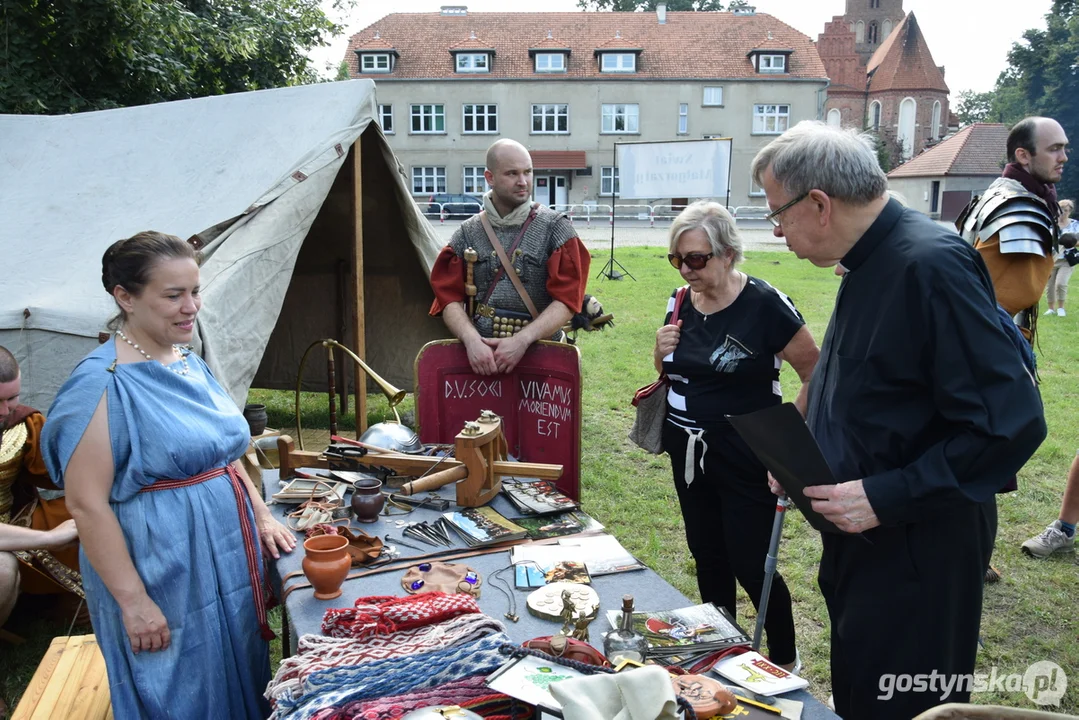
(146, 443)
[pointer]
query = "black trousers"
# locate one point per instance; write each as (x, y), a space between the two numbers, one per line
(728, 512)
(906, 602)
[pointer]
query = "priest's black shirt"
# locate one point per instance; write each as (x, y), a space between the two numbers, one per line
(918, 391)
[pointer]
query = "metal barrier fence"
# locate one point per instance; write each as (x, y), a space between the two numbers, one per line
(593, 211)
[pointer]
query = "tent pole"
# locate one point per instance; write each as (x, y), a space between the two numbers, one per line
(360, 379)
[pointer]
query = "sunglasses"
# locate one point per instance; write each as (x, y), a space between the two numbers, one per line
(694, 261)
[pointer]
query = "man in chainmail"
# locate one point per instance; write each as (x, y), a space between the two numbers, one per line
(544, 251)
(36, 532)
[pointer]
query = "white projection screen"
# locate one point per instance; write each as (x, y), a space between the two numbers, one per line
(683, 168)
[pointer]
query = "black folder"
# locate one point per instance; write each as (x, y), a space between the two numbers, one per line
(781, 440)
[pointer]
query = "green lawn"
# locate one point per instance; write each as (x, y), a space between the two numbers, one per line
(1028, 616)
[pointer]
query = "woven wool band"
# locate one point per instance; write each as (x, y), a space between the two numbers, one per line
(471, 693)
(251, 548)
(385, 614)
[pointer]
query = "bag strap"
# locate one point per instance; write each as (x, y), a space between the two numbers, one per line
(506, 264)
(678, 297)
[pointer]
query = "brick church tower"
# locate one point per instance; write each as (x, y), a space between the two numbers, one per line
(883, 77)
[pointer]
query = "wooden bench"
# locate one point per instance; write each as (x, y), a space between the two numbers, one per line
(70, 682)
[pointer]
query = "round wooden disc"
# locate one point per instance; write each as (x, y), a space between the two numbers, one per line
(546, 603)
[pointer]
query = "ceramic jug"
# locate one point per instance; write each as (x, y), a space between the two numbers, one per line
(367, 499)
(326, 564)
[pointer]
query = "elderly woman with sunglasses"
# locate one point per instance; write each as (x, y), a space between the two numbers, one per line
(723, 357)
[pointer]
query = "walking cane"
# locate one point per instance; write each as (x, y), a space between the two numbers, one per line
(770, 562)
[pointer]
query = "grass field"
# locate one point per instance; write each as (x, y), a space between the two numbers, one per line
(1029, 616)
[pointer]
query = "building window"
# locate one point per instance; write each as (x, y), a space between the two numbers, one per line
(772, 63)
(550, 118)
(475, 183)
(683, 118)
(620, 119)
(371, 63)
(428, 180)
(428, 118)
(385, 118)
(771, 119)
(885, 30)
(755, 190)
(550, 62)
(872, 37)
(480, 119)
(835, 118)
(908, 110)
(874, 116)
(608, 180)
(874, 4)
(934, 128)
(859, 32)
(713, 96)
(618, 62)
(472, 62)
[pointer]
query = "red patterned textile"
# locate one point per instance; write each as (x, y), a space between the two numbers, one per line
(385, 614)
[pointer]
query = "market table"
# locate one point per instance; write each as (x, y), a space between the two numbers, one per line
(303, 613)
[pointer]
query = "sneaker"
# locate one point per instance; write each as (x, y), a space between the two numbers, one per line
(1050, 311)
(1052, 540)
(1061, 313)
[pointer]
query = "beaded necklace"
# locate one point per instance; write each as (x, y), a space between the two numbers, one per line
(175, 348)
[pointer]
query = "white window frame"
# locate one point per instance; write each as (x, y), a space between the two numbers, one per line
(428, 174)
(472, 62)
(874, 123)
(370, 63)
(834, 113)
(610, 114)
(606, 173)
(683, 118)
(489, 116)
(419, 110)
(712, 96)
(618, 62)
(471, 176)
(772, 64)
(550, 110)
(385, 112)
(778, 113)
(934, 127)
(755, 190)
(550, 62)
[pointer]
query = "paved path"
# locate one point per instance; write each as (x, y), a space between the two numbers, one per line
(629, 233)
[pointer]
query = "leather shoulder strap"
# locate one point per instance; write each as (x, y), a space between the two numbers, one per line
(511, 272)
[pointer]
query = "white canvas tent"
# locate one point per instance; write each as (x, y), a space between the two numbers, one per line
(309, 229)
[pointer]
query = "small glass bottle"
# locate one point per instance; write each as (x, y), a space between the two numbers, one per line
(625, 643)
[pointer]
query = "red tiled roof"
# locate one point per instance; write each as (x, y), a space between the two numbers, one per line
(618, 43)
(375, 43)
(903, 61)
(471, 43)
(558, 159)
(690, 44)
(549, 43)
(977, 149)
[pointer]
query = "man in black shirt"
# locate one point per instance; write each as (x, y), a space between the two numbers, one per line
(923, 410)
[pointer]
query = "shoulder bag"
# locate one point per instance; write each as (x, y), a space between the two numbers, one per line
(651, 402)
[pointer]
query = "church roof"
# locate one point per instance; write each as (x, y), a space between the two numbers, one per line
(903, 61)
(977, 149)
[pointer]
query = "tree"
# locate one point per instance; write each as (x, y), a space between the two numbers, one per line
(650, 5)
(974, 107)
(73, 55)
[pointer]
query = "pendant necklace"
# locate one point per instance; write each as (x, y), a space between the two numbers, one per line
(175, 348)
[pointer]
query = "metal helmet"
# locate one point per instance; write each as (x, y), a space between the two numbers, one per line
(393, 436)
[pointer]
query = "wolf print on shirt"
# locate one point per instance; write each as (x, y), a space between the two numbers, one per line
(726, 357)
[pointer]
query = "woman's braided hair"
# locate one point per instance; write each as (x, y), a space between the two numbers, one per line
(128, 263)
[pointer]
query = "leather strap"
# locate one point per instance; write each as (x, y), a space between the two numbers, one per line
(511, 272)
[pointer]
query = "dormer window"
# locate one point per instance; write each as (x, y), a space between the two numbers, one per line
(376, 63)
(618, 62)
(550, 62)
(772, 64)
(473, 63)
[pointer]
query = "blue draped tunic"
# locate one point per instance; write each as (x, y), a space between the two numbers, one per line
(186, 543)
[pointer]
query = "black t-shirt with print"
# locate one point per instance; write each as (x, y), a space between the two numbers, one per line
(725, 362)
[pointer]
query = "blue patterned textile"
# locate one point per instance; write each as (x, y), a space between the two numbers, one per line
(185, 542)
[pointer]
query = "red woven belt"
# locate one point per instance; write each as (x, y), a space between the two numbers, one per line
(251, 548)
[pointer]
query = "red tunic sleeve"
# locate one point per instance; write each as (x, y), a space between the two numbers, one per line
(567, 273)
(447, 280)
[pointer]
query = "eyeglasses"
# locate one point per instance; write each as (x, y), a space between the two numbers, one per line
(773, 217)
(695, 261)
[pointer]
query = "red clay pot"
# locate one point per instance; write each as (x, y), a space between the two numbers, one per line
(326, 564)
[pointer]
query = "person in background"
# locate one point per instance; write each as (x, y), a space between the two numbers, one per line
(921, 406)
(723, 357)
(147, 445)
(1056, 291)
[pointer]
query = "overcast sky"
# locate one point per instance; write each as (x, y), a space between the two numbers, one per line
(970, 39)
